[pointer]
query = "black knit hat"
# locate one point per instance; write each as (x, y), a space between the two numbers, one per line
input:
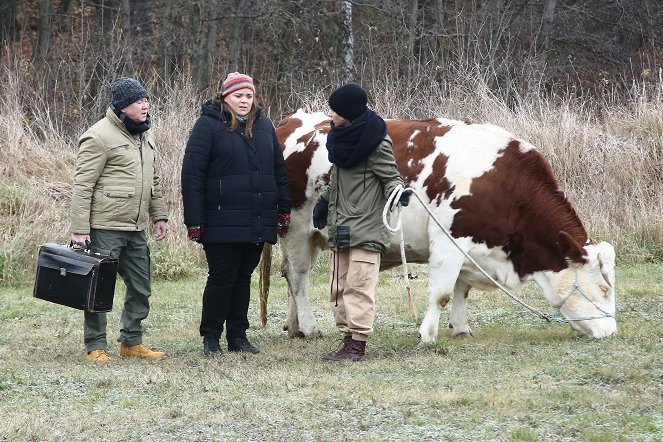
(348, 101)
(126, 91)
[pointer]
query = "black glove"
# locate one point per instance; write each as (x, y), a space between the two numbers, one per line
(405, 198)
(320, 213)
(195, 232)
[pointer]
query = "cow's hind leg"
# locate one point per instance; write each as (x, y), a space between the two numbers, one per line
(458, 315)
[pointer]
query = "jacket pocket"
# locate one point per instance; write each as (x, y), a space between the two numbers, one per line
(120, 203)
(119, 192)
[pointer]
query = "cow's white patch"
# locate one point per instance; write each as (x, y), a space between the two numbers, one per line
(308, 124)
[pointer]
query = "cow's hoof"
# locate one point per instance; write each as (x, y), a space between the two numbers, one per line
(296, 334)
(464, 335)
(315, 334)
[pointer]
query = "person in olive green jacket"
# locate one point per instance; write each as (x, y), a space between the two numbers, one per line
(363, 175)
(116, 194)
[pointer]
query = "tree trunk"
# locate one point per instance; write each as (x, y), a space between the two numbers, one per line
(212, 36)
(125, 14)
(348, 41)
(44, 27)
(546, 30)
(63, 10)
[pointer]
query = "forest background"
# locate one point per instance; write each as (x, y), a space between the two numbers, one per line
(580, 79)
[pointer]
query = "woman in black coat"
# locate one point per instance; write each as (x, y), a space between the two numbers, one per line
(236, 197)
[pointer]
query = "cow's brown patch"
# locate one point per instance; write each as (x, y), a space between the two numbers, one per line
(297, 163)
(518, 206)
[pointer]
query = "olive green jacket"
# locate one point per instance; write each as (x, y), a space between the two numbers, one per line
(116, 186)
(356, 199)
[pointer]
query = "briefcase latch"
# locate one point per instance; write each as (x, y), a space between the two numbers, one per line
(63, 271)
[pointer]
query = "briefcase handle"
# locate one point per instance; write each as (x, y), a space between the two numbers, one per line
(86, 249)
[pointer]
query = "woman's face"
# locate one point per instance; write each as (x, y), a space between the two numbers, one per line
(337, 119)
(240, 101)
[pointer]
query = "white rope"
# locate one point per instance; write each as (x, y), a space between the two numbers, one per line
(393, 198)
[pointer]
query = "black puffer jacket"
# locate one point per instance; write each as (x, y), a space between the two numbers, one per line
(233, 185)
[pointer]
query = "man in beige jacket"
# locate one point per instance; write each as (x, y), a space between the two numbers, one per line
(116, 193)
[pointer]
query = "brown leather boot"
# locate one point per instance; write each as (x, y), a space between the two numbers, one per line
(357, 351)
(342, 353)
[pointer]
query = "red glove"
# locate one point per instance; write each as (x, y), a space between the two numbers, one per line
(283, 224)
(195, 232)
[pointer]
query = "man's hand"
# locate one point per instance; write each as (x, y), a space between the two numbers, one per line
(80, 239)
(160, 230)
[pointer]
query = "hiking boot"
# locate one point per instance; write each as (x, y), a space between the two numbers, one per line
(358, 351)
(98, 356)
(241, 344)
(211, 347)
(140, 351)
(342, 353)
(352, 351)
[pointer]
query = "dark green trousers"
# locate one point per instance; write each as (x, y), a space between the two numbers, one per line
(135, 269)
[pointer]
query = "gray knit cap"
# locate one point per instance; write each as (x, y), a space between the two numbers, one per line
(126, 91)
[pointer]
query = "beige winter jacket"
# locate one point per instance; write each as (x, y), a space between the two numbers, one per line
(116, 186)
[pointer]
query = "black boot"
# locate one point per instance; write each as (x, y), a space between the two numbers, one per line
(211, 346)
(358, 351)
(241, 344)
(342, 353)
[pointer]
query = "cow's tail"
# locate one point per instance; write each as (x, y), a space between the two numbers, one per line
(263, 282)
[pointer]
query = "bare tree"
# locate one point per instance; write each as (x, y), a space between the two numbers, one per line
(546, 29)
(348, 41)
(125, 15)
(44, 27)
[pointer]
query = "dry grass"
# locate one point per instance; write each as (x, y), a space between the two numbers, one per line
(607, 156)
(519, 379)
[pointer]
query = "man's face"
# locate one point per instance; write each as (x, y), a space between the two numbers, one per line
(138, 110)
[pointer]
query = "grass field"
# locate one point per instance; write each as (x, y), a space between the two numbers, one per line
(519, 379)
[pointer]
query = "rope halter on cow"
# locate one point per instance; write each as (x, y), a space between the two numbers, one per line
(576, 288)
(395, 196)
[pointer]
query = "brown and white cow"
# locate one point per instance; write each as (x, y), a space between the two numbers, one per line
(498, 197)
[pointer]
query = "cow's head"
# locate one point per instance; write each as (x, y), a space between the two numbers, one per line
(584, 292)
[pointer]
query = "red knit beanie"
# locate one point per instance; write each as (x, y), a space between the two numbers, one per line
(236, 81)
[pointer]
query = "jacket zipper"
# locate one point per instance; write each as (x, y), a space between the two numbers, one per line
(220, 193)
(140, 200)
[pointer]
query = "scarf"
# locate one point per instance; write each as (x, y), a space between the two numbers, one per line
(350, 145)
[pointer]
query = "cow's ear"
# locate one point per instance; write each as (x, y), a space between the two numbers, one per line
(569, 247)
(607, 262)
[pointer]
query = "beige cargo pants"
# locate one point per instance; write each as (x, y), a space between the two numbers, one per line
(354, 276)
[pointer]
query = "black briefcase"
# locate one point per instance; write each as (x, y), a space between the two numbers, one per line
(75, 277)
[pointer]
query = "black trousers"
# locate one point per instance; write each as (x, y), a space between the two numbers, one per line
(227, 292)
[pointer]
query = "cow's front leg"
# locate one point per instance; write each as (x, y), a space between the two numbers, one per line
(299, 252)
(444, 264)
(300, 316)
(458, 315)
